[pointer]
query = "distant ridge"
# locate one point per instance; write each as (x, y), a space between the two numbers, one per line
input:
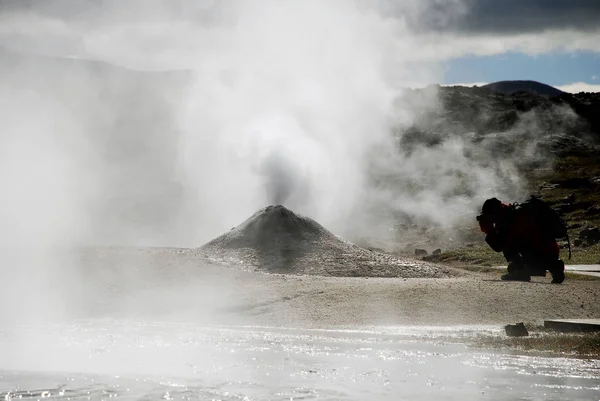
(510, 87)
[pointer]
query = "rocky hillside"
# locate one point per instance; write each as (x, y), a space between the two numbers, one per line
(553, 140)
(565, 123)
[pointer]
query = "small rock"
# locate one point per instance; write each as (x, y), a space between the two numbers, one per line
(564, 209)
(569, 198)
(420, 252)
(516, 330)
(587, 224)
(590, 235)
(577, 242)
(437, 252)
(592, 211)
(547, 185)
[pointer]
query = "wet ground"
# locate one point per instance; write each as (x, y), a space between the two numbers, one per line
(134, 359)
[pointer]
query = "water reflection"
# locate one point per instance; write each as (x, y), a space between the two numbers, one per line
(105, 359)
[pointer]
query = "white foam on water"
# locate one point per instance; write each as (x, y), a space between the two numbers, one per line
(123, 359)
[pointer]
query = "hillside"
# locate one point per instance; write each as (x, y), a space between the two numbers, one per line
(480, 111)
(512, 87)
(552, 142)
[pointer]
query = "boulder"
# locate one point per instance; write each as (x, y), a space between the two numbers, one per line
(420, 252)
(592, 211)
(516, 330)
(590, 234)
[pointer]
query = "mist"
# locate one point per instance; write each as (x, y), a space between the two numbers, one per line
(169, 123)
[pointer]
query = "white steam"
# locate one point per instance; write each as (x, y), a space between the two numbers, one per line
(292, 107)
(290, 102)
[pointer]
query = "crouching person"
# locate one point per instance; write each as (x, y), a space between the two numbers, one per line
(527, 246)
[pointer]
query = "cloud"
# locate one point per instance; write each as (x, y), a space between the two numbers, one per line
(506, 17)
(527, 16)
(467, 84)
(172, 29)
(577, 87)
(434, 47)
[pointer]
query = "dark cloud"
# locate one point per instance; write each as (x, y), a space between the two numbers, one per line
(495, 16)
(476, 16)
(525, 16)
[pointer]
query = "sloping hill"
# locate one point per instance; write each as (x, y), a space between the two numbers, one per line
(511, 87)
(277, 240)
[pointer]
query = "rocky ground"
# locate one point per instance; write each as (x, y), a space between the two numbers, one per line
(177, 283)
(281, 268)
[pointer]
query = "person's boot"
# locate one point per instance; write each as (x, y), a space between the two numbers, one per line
(519, 275)
(516, 272)
(515, 265)
(558, 272)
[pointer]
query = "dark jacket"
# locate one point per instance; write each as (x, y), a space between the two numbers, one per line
(515, 231)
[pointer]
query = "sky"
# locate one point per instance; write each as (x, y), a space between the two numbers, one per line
(551, 41)
(571, 72)
(462, 41)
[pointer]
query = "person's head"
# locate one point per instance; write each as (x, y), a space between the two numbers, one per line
(490, 211)
(491, 207)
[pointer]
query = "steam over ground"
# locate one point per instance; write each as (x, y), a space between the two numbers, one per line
(168, 123)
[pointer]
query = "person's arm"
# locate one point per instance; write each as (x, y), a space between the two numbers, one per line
(494, 240)
(485, 225)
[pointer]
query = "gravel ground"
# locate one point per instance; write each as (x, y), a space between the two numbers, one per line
(177, 283)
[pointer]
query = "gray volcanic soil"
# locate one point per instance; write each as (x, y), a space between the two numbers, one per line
(185, 283)
(277, 240)
(174, 283)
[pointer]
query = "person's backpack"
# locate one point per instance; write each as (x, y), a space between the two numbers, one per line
(547, 218)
